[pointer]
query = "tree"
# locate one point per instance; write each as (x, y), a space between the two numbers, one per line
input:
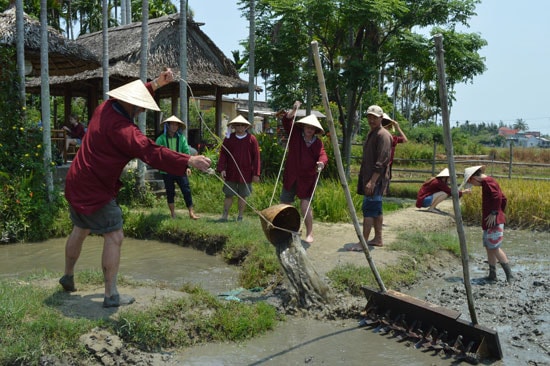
(366, 49)
(520, 125)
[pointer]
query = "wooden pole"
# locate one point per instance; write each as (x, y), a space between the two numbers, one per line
(338, 158)
(450, 159)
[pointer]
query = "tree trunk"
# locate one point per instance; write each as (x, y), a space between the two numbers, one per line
(45, 97)
(142, 121)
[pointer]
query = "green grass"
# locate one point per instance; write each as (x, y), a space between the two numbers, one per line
(417, 248)
(31, 324)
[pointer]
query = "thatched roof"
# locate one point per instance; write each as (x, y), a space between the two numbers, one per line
(208, 69)
(65, 57)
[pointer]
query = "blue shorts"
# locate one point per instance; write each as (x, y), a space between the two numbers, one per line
(372, 206)
(427, 202)
(492, 237)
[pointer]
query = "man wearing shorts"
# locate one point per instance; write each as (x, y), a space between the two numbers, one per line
(93, 180)
(374, 176)
(493, 219)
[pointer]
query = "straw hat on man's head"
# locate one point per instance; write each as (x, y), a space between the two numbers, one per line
(174, 119)
(135, 93)
(375, 111)
(239, 120)
(312, 121)
(443, 174)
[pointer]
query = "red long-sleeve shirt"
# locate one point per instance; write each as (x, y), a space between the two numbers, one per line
(240, 158)
(301, 163)
(493, 200)
(112, 140)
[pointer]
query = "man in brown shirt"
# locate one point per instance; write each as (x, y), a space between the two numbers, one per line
(374, 176)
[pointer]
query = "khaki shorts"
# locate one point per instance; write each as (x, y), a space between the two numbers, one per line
(105, 220)
(231, 189)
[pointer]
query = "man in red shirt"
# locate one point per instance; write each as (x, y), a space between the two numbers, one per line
(93, 180)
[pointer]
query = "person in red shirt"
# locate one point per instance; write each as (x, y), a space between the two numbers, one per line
(93, 179)
(306, 159)
(76, 132)
(391, 125)
(493, 204)
(239, 165)
(435, 190)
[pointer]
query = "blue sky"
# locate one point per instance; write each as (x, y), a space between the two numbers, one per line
(514, 86)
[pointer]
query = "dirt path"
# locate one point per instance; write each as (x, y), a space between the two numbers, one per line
(332, 241)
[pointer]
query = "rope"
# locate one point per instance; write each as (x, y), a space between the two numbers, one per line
(211, 171)
(283, 159)
(313, 193)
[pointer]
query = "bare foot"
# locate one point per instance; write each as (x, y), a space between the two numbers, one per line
(375, 243)
(194, 217)
(309, 239)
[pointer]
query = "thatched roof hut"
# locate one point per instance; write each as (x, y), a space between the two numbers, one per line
(65, 57)
(209, 71)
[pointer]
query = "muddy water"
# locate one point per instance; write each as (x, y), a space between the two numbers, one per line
(141, 260)
(298, 341)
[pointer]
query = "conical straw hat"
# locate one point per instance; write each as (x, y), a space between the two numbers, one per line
(135, 93)
(444, 173)
(174, 119)
(468, 172)
(239, 120)
(312, 121)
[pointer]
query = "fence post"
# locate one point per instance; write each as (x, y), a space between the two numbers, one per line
(434, 158)
(511, 158)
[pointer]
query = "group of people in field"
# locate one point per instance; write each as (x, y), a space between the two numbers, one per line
(112, 140)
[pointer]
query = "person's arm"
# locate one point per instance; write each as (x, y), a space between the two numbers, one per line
(255, 159)
(396, 124)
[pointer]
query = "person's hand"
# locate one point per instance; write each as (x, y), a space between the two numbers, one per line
(188, 172)
(296, 105)
(199, 162)
(369, 188)
(491, 220)
(223, 174)
(320, 166)
(165, 77)
(255, 179)
(467, 190)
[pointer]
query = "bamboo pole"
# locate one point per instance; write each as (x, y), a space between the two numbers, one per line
(450, 160)
(338, 158)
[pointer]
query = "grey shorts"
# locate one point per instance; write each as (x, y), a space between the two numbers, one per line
(105, 220)
(289, 195)
(231, 189)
